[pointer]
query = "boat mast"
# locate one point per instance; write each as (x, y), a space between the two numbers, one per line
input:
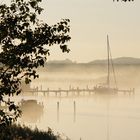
(108, 63)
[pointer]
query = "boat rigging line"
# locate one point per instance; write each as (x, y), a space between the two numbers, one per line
(114, 75)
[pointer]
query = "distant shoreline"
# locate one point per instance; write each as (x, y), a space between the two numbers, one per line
(116, 61)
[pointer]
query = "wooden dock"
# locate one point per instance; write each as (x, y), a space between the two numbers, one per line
(127, 91)
(72, 91)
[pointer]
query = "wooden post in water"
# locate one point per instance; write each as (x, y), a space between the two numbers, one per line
(88, 89)
(56, 93)
(78, 91)
(57, 111)
(48, 92)
(73, 93)
(70, 87)
(44, 93)
(74, 107)
(59, 92)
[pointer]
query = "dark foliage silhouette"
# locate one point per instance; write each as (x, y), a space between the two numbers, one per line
(17, 132)
(24, 46)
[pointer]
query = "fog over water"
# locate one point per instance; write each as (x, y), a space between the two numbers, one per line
(88, 116)
(84, 74)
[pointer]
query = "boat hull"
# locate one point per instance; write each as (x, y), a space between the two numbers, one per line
(105, 90)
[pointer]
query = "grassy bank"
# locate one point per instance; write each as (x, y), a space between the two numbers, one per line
(17, 132)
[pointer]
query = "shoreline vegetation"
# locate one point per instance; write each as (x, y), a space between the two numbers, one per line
(18, 132)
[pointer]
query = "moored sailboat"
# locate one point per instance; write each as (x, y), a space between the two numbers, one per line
(107, 88)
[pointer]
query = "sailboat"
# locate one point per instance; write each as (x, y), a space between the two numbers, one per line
(106, 87)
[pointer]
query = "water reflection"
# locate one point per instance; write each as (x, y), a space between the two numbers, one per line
(31, 111)
(87, 115)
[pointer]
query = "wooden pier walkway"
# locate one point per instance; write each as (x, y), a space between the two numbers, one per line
(72, 91)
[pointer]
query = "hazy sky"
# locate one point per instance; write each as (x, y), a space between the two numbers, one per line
(91, 21)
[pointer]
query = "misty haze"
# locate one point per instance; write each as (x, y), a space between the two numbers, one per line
(75, 66)
(76, 114)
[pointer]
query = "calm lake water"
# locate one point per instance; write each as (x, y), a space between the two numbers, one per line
(85, 117)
